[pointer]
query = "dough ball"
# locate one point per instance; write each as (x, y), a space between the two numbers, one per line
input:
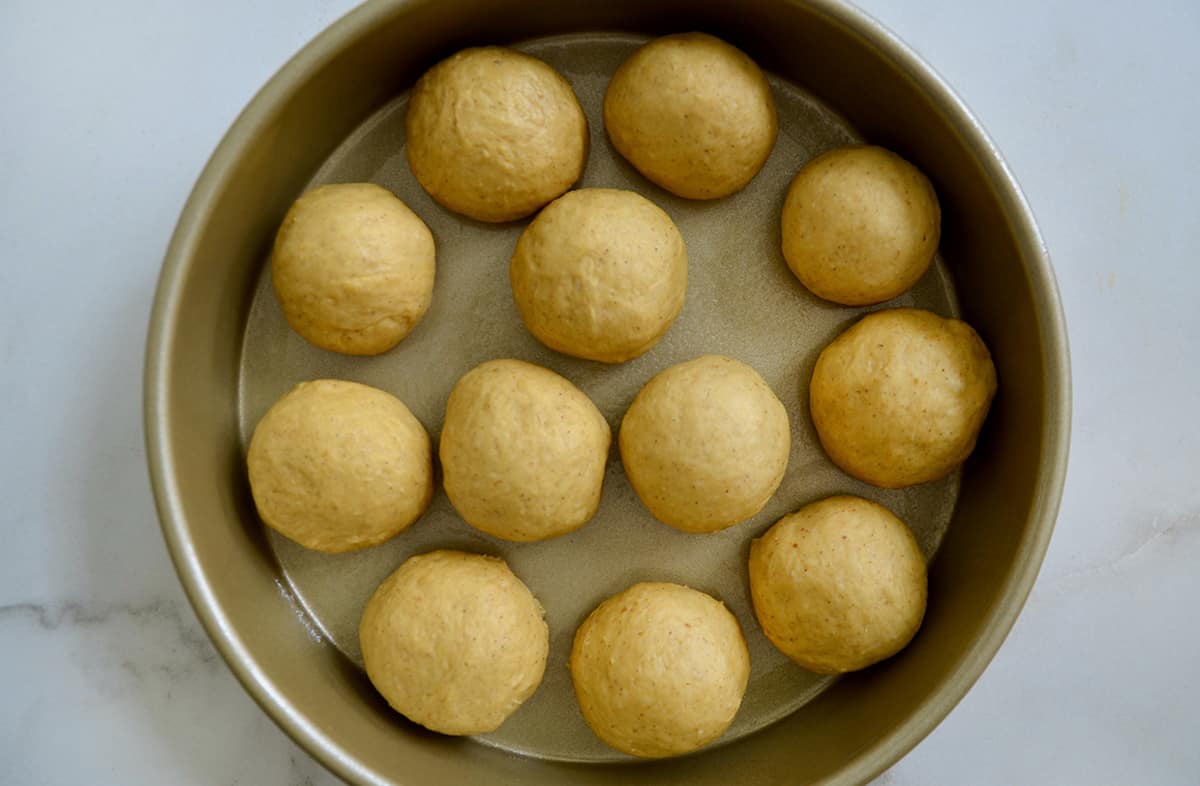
(523, 451)
(838, 585)
(705, 444)
(659, 669)
(454, 641)
(600, 274)
(495, 134)
(693, 114)
(860, 225)
(338, 466)
(353, 268)
(899, 398)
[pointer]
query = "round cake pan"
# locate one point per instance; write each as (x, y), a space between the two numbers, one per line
(219, 353)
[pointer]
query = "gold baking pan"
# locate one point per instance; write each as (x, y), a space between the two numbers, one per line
(220, 352)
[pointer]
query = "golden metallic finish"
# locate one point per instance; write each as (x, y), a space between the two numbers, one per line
(215, 359)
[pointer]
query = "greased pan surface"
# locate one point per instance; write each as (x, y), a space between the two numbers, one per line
(742, 301)
(220, 353)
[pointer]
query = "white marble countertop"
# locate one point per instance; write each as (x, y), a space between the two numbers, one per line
(109, 110)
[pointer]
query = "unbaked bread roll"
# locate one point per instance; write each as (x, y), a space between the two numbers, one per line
(495, 134)
(337, 466)
(705, 444)
(600, 274)
(860, 225)
(454, 641)
(353, 268)
(838, 585)
(523, 451)
(899, 398)
(659, 669)
(693, 114)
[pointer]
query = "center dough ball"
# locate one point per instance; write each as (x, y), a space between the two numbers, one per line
(337, 466)
(454, 641)
(860, 225)
(705, 444)
(900, 397)
(495, 134)
(838, 585)
(693, 114)
(600, 274)
(523, 451)
(353, 268)
(659, 669)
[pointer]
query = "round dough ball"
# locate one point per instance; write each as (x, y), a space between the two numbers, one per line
(693, 114)
(454, 641)
(495, 134)
(600, 274)
(838, 585)
(353, 268)
(860, 225)
(338, 466)
(705, 444)
(523, 451)
(659, 669)
(899, 398)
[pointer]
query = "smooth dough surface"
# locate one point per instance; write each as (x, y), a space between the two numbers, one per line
(600, 274)
(659, 669)
(454, 641)
(692, 114)
(705, 444)
(353, 268)
(860, 225)
(900, 397)
(494, 134)
(338, 466)
(523, 451)
(838, 585)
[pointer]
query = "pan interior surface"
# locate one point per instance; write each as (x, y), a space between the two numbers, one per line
(742, 301)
